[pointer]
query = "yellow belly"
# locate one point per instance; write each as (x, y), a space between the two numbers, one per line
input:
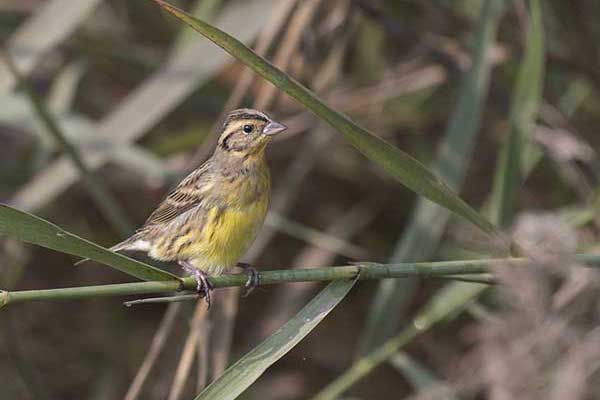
(224, 238)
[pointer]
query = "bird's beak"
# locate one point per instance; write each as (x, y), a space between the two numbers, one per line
(273, 128)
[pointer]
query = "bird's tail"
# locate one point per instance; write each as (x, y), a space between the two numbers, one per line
(131, 243)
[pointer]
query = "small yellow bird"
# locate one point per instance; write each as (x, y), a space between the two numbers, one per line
(212, 217)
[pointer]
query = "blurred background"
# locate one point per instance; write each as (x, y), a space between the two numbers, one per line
(450, 82)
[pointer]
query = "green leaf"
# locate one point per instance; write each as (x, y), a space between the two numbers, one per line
(401, 165)
(31, 229)
(512, 162)
(421, 237)
(249, 368)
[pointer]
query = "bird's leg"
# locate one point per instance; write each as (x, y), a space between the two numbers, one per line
(203, 285)
(253, 278)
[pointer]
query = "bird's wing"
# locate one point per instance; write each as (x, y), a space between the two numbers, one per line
(184, 197)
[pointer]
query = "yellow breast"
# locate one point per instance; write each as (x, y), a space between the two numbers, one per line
(214, 238)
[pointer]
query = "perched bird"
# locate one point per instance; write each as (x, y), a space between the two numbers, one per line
(212, 217)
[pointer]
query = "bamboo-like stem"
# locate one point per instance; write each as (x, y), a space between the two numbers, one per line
(365, 271)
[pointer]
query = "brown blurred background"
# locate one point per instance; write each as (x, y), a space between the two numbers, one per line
(140, 97)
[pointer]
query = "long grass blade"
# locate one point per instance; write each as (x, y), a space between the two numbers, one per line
(249, 368)
(524, 106)
(31, 229)
(421, 237)
(401, 165)
(524, 109)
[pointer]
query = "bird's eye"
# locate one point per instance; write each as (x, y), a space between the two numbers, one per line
(248, 128)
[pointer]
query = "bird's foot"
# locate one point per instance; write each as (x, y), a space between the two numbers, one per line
(203, 285)
(253, 278)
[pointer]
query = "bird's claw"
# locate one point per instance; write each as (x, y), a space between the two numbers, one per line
(203, 285)
(253, 278)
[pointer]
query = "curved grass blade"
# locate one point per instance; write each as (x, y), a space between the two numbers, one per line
(401, 165)
(31, 229)
(421, 238)
(249, 368)
(523, 111)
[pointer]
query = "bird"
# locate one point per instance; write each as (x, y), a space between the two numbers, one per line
(213, 215)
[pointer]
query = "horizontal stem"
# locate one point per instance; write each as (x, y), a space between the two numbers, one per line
(366, 270)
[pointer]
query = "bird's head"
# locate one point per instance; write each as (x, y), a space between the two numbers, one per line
(247, 131)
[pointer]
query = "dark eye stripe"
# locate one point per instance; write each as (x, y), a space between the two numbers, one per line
(225, 140)
(224, 143)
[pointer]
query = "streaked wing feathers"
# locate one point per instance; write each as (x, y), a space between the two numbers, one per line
(183, 198)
